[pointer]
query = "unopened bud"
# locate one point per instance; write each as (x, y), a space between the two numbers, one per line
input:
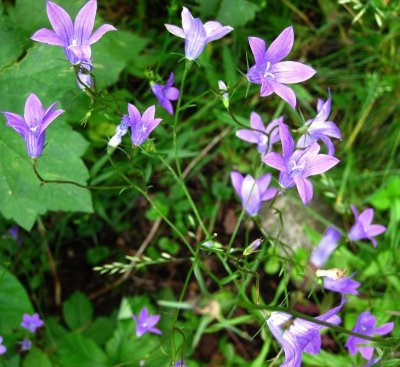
(253, 247)
(225, 96)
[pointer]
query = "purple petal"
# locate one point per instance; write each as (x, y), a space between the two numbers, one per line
(287, 141)
(324, 109)
(256, 122)
(170, 80)
(254, 75)
(375, 230)
(154, 330)
(319, 164)
(237, 181)
(325, 127)
(187, 20)
(175, 30)
(167, 105)
(304, 188)
(328, 143)
(134, 115)
(285, 93)
(172, 93)
(48, 36)
(100, 32)
(215, 30)
(325, 248)
(49, 116)
(366, 217)
(304, 141)
(257, 46)
(355, 211)
(264, 181)
(247, 135)
(384, 329)
(311, 342)
(288, 72)
(153, 319)
(281, 46)
(276, 161)
(267, 88)
(320, 104)
(250, 195)
(84, 22)
(16, 122)
(34, 145)
(366, 352)
(34, 110)
(60, 21)
(269, 194)
(357, 232)
(195, 39)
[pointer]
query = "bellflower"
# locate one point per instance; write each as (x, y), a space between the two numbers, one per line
(76, 38)
(120, 131)
(328, 244)
(297, 336)
(363, 229)
(263, 136)
(271, 72)
(365, 324)
(197, 34)
(320, 129)
(343, 286)
(252, 192)
(32, 127)
(297, 166)
(3, 349)
(146, 322)
(141, 126)
(32, 323)
(166, 93)
(26, 345)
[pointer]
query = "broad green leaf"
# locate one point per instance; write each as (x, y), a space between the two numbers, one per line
(101, 330)
(36, 358)
(12, 49)
(237, 12)
(77, 311)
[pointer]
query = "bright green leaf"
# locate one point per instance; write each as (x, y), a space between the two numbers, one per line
(77, 311)
(237, 12)
(36, 358)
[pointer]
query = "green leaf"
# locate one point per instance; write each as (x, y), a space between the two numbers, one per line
(237, 12)
(77, 311)
(36, 358)
(12, 49)
(101, 330)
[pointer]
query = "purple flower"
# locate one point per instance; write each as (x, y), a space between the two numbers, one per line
(328, 244)
(271, 72)
(363, 229)
(365, 324)
(297, 336)
(372, 362)
(26, 345)
(3, 349)
(180, 363)
(296, 166)
(166, 93)
(33, 125)
(141, 126)
(31, 323)
(120, 131)
(252, 192)
(263, 136)
(197, 34)
(75, 38)
(146, 322)
(320, 129)
(84, 78)
(342, 285)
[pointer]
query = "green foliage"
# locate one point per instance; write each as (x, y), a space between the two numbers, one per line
(78, 311)
(36, 358)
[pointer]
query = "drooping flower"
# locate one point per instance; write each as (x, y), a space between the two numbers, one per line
(328, 244)
(319, 128)
(141, 126)
(297, 336)
(166, 93)
(31, 323)
(145, 323)
(253, 192)
(3, 349)
(363, 229)
(120, 131)
(197, 34)
(26, 345)
(32, 127)
(297, 166)
(264, 136)
(271, 72)
(343, 285)
(365, 324)
(77, 37)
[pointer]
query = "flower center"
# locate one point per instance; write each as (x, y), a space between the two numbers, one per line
(262, 139)
(267, 74)
(295, 168)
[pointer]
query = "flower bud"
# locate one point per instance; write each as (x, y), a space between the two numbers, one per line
(224, 89)
(253, 247)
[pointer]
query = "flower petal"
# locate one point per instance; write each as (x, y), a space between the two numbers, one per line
(276, 161)
(366, 352)
(195, 39)
(48, 36)
(172, 93)
(134, 115)
(49, 116)
(288, 72)
(375, 230)
(250, 195)
(84, 22)
(215, 30)
(304, 188)
(269, 194)
(257, 46)
(100, 32)
(34, 110)
(60, 21)
(281, 46)
(187, 20)
(16, 122)
(176, 31)
(264, 181)
(366, 217)
(237, 180)
(384, 329)
(256, 122)
(319, 164)
(287, 141)
(247, 135)
(324, 109)
(285, 93)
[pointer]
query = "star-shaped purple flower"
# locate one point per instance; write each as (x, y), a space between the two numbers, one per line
(76, 38)
(31, 323)
(365, 324)
(145, 323)
(297, 336)
(271, 72)
(32, 127)
(166, 93)
(141, 126)
(253, 192)
(263, 136)
(3, 349)
(345, 285)
(319, 128)
(297, 166)
(328, 244)
(197, 34)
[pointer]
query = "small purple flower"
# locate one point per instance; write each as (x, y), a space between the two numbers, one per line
(14, 232)
(365, 324)
(264, 137)
(141, 126)
(120, 131)
(271, 72)
(328, 244)
(3, 349)
(76, 38)
(297, 336)
(166, 93)
(320, 129)
(253, 192)
(32, 127)
(297, 166)
(26, 345)
(343, 286)
(197, 34)
(146, 322)
(180, 363)
(31, 323)
(363, 229)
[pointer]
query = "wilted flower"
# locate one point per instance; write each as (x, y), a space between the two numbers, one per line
(166, 93)
(253, 192)
(224, 90)
(297, 336)
(33, 125)
(264, 137)
(253, 247)
(146, 322)
(76, 38)
(345, 285)
(141, 126)
(31, 323)
(271, 72)
(365, 324)
(26, 345)
(120, 131)
(297, 166)
(196, 34)
(3, 349)
(328, 244)
(363, 229)
(320, 129)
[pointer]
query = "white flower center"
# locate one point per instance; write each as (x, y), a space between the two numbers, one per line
(267, 74)
(295, 168)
